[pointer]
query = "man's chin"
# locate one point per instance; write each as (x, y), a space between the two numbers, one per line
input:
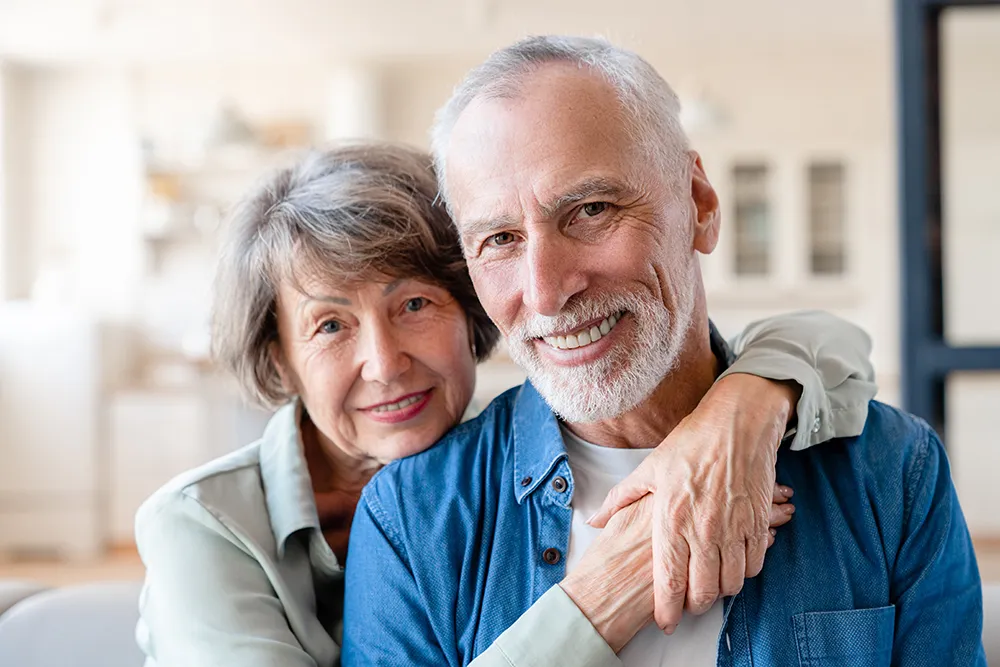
(583, 402)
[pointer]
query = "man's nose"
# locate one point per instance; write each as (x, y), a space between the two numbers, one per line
(554, 273)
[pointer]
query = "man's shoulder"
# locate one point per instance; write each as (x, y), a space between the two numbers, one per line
(894, 446)
(455, 467)
(894, 434)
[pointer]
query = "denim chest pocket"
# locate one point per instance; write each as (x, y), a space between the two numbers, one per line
(852, 638)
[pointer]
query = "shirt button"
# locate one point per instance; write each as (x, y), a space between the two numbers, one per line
(551, 556)
(526, 481)
(816, 423)
(559, 484)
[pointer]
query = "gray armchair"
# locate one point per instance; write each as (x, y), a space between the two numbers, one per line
(91, 625)
(14, 590)
(991, 622)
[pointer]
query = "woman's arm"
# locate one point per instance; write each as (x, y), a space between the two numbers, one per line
(718, 464)
(829, 358)
(815, 364)
(206, 601)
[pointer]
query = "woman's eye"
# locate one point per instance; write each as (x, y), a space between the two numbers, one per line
(595, 208)
(503, 238)
(415, 304)
(330, 327)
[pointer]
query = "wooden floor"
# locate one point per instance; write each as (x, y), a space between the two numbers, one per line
(124, 564)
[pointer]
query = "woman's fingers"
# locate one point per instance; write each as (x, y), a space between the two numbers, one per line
(781, 494)
(780, 515)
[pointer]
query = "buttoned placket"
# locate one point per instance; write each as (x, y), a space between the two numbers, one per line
(551, 497)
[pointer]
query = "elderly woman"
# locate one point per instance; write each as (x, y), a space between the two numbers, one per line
(343, 297)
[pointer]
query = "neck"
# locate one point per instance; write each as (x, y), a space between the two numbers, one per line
(330, 467)
(677, 395)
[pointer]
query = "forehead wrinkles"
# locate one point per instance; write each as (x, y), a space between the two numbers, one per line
(562, 122)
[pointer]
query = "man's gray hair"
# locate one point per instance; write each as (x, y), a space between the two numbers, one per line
(651, 105)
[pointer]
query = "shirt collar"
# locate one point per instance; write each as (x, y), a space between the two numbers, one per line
(291, 504)
(538, 442)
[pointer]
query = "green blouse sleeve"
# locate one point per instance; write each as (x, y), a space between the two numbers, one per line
(827, 356)
(552, 632)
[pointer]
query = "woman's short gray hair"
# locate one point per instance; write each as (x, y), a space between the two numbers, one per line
(652, 106)
(349, 214)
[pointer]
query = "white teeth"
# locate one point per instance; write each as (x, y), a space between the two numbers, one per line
(405, 403)
(583, 337)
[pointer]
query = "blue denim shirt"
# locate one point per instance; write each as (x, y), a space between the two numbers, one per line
(876, 568)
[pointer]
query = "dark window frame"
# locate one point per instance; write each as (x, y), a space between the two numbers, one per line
(927, 358)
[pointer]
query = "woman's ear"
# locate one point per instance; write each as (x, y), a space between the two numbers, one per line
(472, 336)
(281, 367)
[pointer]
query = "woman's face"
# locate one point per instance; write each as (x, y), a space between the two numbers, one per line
(384, 369)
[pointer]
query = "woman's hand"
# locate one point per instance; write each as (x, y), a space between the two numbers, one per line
(712, 481)
(781, 511)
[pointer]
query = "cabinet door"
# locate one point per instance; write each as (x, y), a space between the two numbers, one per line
(49, 384)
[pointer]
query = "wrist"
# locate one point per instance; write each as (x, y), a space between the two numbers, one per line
(787, 394)
(617, 606)
(779, 397)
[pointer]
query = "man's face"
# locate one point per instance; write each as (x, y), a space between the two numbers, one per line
(581, 249)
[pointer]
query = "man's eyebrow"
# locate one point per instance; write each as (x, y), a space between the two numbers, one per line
(599, 185)
(587, 188)
(483, 226)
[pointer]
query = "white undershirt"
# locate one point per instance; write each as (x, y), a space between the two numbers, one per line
(595, 470)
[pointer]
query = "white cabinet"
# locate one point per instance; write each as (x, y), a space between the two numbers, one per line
(49, 458)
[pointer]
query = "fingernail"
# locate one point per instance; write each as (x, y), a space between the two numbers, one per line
(591, 519)
(786, 491)
(788, 509)
(669, 630)
(774, 532)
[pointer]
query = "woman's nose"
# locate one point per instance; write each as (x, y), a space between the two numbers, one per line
(383, 357)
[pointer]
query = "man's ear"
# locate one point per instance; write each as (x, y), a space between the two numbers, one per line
(708, 216)
(281, 367)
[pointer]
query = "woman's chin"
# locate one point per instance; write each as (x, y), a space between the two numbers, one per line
(407, 444)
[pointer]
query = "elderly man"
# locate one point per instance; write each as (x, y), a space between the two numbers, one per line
(582, 212)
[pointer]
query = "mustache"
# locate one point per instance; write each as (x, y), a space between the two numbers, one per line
(575, 314)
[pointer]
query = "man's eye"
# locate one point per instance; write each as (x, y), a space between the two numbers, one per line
(330, 327)
(594, 208)
(415, 304)
(503, 238)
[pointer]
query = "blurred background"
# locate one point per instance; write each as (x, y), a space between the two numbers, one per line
(128, 127)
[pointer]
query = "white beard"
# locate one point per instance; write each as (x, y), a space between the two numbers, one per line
(622, 378)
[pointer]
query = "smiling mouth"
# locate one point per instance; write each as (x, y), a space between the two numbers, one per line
(584, 336)
(401, 404)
